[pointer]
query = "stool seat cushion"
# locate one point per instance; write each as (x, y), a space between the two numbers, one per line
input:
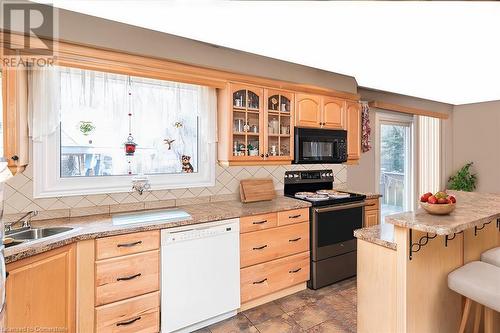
(492, 256)
(478, 281)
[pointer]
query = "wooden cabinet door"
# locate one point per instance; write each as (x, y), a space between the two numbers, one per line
(353, 116)
(371, 218)
(333, 113)
(308, 110)
(15, 109)
(40, 291)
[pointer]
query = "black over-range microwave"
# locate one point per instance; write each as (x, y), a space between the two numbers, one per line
(320, 146)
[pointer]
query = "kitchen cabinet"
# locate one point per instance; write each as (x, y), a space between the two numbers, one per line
(119, 283)
(15, 118)
(40, 291)
(353, 115)
(320, 111)
(274, 255)
(255, 125)
(372, 212)
(308, 110)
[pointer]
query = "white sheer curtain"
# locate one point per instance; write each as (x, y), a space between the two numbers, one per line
(43, 102)
(161, 110)
(429, 151)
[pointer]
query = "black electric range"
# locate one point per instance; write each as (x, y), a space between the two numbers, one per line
(332, 225)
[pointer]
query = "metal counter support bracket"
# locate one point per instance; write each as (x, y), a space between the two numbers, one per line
(421, 242)
(481, 227)
(449, 238)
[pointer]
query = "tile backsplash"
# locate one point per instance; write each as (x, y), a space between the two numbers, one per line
(19, 193)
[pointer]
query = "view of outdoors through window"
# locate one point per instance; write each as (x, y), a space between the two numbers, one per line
(393, 156)
(101, 113)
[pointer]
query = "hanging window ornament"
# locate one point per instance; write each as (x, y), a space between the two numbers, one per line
(130, 145)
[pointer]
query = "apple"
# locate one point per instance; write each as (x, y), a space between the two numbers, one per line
(432, 199)
(425, 197)
(441, 194)
(452, 199)
(442, 201)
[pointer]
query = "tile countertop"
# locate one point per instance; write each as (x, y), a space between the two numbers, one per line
(473, 209)
(381, 234)
(90, 227)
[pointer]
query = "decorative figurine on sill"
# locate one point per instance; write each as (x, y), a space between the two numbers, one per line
(178, 124)
(186, 165)
(169, 142)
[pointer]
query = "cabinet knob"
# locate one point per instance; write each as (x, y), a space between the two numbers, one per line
(267, 155)
(262, 155)
(15, 158)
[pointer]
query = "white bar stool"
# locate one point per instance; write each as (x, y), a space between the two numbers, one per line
(492, 256)
(479, 282)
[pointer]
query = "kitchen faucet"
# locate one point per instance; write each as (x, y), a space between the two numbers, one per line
(25, 219)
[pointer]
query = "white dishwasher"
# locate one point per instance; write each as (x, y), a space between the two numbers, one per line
(200, 275)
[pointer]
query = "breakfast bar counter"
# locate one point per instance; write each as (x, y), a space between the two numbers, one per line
(403, 265)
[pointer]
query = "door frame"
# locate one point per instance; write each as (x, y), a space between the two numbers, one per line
(404, 120)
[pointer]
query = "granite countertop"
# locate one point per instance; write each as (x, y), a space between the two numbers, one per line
(473, 209)
(95, 226)
(381, 234)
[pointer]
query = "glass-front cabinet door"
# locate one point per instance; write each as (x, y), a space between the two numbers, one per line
(247, 120)
(279, 125)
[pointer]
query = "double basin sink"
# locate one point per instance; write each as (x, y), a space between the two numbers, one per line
(32, 234)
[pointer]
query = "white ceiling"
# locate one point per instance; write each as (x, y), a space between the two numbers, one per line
(444, 51)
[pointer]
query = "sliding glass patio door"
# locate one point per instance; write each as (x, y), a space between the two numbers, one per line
(395, 158)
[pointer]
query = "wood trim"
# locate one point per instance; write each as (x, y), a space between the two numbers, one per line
(88, 57)
(272, 297)
(406, 109)
(85, 276)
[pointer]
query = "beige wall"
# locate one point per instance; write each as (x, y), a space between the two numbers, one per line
(362, 176)
(476, 138)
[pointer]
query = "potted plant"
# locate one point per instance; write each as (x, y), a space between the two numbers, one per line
(463, 180)
(252, 151)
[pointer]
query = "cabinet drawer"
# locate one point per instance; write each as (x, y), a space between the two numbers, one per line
(372, 204)
(115, 246)
(260, 246)
(258, 222)
(127, 276)
(293, 216)
(139, 314)
(264, 279)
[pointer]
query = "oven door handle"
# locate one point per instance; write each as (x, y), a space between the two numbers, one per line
(339, 207)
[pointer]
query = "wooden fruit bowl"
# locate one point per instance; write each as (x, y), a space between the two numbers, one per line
(438, 209)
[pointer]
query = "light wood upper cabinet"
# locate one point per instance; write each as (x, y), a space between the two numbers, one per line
(320, 112)
(15, 118)
(308, 110)
(255, 125)
(353, 116)
(333, 113)
(40, 291)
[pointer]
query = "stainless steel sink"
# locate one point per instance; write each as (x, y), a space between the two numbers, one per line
(37, 233)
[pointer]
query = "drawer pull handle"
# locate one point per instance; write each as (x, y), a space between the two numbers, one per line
(126, 278)
(128, 322)
(129, 244)
(260, 247)
(294, 270)
(295, 239)
(294, 216)
(259, 222)
(261, 281)
(370, 205)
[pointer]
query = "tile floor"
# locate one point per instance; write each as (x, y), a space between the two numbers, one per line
(331, 309)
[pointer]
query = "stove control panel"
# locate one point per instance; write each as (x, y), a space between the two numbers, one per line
(310, 176)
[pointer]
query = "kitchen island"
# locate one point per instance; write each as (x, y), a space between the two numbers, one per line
(403, 265)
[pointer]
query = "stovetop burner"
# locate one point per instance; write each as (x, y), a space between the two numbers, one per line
(316, 186)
